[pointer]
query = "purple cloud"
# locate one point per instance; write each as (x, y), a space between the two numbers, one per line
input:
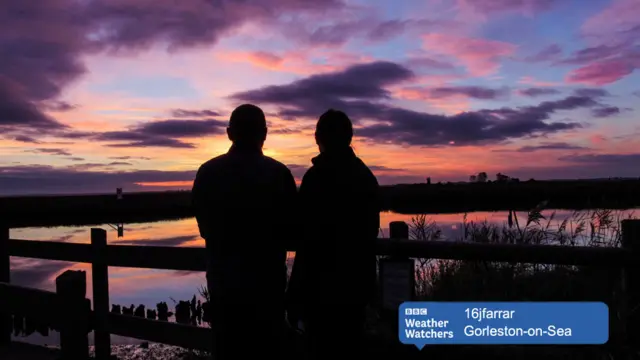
(129, 158)
(605, 111)
(550, 146)
(179, 113)
(488, 7)
(610, 159)
(595, 53)
(57, 106)
(317, 92)
(27, 139)
(475, 92)
(536, 92)
(48, 40)
(591, 92)
(429, 63)
(549, 53)
(358, 95)
(165, 133)
(60, 152)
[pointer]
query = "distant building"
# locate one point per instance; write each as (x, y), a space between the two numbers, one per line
(502, 178)
(429, 181)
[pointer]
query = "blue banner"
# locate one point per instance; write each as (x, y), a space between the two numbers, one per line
(485, 323)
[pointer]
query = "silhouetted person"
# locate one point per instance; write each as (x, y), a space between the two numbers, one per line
(243, 202)
(334, 272)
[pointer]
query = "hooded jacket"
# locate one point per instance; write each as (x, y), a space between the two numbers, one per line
(340, 220)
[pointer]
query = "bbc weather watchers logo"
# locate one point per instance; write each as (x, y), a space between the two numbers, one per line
(415, 311)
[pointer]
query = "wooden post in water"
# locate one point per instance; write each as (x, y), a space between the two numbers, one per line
(6, 323)
(71, 286)
(631, 241)
(100, 276)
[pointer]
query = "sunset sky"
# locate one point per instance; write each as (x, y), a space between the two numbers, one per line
(99, 94)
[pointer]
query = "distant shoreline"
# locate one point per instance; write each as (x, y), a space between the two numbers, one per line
(70, 210)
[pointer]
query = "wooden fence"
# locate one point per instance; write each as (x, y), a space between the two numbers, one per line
(101, 256)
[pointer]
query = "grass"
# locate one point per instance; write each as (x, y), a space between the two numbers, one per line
(451, 280)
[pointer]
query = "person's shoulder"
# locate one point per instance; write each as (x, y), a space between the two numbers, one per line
(275, 165)
(213, 163)
(366, 171)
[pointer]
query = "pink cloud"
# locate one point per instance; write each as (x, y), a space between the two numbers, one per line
(600, 73)
(296, 62)
(597, 139)
(480, 56)
(621, 15)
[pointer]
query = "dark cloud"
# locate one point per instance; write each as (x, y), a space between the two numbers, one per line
(170, 241)
(591, 92)
(42, 179)
(129, 158)
(551, 146)
(549, 53)
(179, 113)
(605, 111)
(499, 6)
(76, 159)
(146, 142)
(182, 128)
(376, 168)
(359, 26)
(636, 93)
(429, 63)
(595, 53)
(535, 92)
(386, 30)
(17, 113)
(608, 159)
(45, 42)
(359, 89)
(87, 166)
(475, 92)
(57, 106)
(364, 81)
(27, 139)
(165, 133)
(60, 152)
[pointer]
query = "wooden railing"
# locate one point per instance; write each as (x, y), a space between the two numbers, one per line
(101, 256)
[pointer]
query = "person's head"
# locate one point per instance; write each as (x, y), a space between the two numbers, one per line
(334, 131)
(247, 126)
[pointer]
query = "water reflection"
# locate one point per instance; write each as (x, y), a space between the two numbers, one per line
(148, 287)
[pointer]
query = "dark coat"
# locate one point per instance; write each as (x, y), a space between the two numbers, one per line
(340, 216)
(243, 204)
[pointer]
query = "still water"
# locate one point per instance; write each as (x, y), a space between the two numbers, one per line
(148, 287)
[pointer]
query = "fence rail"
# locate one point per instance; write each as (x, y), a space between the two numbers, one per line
(101, 256)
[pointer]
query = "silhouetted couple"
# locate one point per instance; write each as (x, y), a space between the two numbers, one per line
(250, 212)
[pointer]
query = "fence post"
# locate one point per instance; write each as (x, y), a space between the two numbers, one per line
(73, 325)
(397, 277)
(631, 241)
(100, 276)
(6, 323)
